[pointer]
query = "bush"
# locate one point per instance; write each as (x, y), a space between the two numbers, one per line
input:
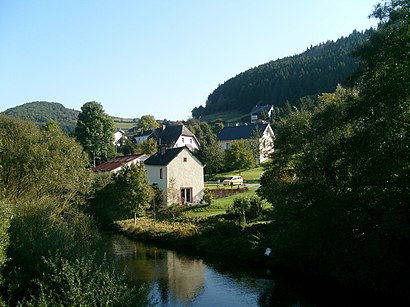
(247, 208)
(82, 282)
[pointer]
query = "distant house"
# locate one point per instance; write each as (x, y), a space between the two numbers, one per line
(118, 135)
(258, 113)
(172, 136)
(247, 132)
(178, 173)
(117, 163)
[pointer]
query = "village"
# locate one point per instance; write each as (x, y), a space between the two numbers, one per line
(175, 164)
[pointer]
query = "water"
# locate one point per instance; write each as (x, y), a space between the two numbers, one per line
(175, 279)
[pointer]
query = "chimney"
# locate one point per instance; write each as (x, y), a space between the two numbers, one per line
(162, 149)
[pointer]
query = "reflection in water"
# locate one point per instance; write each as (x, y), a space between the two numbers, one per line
(176, 280)
(172, 277)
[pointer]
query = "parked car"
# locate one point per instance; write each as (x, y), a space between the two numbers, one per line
(234, 180)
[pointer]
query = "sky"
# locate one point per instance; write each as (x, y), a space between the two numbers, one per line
(158, 57)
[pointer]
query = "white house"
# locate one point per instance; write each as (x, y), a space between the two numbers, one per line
(178, 173)
(258, 111)
(117, 163)
(118, 135)
(171, 136)
(263, 132)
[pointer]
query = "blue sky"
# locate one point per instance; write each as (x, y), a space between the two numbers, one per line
(154, 57)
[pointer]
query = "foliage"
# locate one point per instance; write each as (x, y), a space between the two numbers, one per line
(147, 122)
(95, 132)
(247, 208)
(339, 181)
(5, 218)
(173, 195)
(38, 163)
(211, 156)
(41, 112)
(319, 69)
(148, 146)
(82, 282)
(208, 197)
(157, 201)
(239, 156)
(133, 188)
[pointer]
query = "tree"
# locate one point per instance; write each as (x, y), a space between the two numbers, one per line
(148, 146)
(95, 132)
(339, 181)
(239, 156)
(147, 122)
(37, 163)
(157, 201)
(133, 188)
(5, 219)
(211, 156)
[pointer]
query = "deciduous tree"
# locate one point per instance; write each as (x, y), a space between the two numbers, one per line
(133, 188)
(95, 132)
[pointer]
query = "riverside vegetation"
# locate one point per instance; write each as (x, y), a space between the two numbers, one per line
(50, 252)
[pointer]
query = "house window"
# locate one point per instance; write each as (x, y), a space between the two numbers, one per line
(228, 145)
(183, 140)
(161, 175)
(185, 159)
(190, 140)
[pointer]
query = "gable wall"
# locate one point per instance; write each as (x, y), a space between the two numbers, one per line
(189, 174)
(186, 140)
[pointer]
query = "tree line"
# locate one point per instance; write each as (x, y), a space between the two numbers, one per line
(50, 251)
(339, 184)
(317, 70)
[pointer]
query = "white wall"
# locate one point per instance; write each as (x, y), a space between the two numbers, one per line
(186, 140)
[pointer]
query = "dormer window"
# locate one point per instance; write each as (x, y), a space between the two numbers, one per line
(183, 140)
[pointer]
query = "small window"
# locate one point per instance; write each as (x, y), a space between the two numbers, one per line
(185, 159)
(190, 140)
(161, 174)
(183, 140)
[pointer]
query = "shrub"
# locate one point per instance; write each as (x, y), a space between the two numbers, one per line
(247, 208)
(82, 282)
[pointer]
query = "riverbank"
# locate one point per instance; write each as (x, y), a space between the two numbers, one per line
(214, 237)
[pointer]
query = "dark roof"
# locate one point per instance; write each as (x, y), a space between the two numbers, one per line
(169, 135)
(146, 132)
(240, 132)
(260, 109)
(164, 159)
(116, 162)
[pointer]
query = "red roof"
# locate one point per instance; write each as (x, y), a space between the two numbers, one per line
(117, 162)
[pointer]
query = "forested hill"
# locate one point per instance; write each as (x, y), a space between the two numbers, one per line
(317, 70)
(42, 111)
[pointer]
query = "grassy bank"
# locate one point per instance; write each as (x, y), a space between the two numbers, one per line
(210, 230)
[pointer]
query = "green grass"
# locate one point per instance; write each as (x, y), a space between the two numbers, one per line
(230, 116)
(123, 123)
(218, 206)
(250, 176)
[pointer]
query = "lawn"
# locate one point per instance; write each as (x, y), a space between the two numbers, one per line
(227, 117)
(250, 176)
(218, 206)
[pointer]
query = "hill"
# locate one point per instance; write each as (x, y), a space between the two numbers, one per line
(42, 111)
(317, 70)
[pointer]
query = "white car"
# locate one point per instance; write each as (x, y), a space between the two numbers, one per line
(234, 180)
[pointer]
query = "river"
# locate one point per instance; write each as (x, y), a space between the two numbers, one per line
(176, 279)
